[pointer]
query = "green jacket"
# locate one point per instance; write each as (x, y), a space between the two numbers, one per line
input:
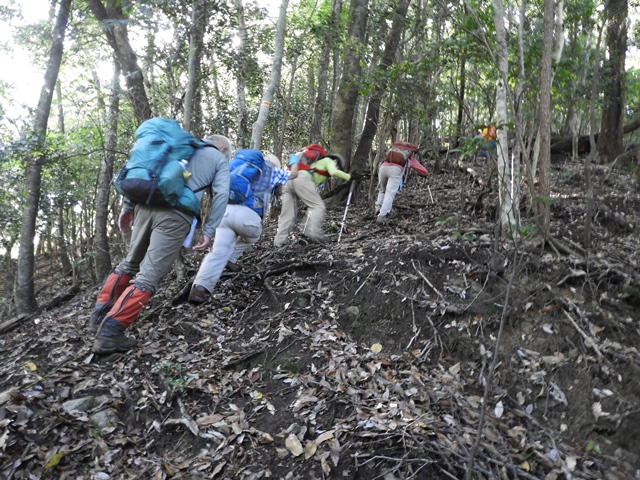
(326, 167)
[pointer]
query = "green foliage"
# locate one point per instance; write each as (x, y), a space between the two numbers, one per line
(172, 374)
(468, 236)
(523, 230)
(447, 222)
(593, 447)
(546, 201)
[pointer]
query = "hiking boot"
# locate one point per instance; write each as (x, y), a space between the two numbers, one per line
(384, 219)
(198, 295)
(233, 267)
(106, 345)
(111, 338)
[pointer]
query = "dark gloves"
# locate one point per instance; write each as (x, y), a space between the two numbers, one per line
(355, 175)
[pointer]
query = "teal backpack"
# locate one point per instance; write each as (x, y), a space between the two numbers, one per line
(155, 172)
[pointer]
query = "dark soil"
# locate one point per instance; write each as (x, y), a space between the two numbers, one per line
(368, 358)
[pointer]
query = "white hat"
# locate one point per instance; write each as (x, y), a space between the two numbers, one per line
(273, 160)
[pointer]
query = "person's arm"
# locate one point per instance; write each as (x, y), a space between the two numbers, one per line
(280, 177)
(294, 171)
(220, 188)
(418, 167)
(333, 170)
(125, 220)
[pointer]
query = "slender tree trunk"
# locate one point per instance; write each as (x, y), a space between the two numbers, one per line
(112, 21)
(507, 172)
(67, 267)
(101, 241)
(24, 293)
(586, 241)
(62, 244)
(347, 96)
(361, 155)
(192, 110)
(461, 94)
(258, 126)
(60, 107)
(610, 143)
(287, 107)
(542, 203)
(557, 41)
(243, 129)
(315, 131)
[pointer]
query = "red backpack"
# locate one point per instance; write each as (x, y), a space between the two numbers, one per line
(400, 152)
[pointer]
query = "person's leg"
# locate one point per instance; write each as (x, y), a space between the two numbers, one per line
(307, 192)
(382, 185)
(110, 337)
(114, 285)
(139, 243)
(248, 228)
(288, 213)
(394, 177)
(120, 279)
(214, 262)
(168, 231)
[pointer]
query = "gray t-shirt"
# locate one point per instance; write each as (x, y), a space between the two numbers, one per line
(208, 167)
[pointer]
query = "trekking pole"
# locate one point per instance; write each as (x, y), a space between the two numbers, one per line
(351, 189)
(429, 188)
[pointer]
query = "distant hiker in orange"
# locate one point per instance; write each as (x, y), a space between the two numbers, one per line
(390, 175)
(158, 234)
(489, 135)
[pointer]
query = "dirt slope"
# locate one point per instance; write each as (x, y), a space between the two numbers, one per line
(362, 359)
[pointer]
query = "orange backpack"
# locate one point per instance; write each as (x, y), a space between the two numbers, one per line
(400, 152)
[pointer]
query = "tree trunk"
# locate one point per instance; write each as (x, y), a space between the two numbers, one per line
(192, 121)
(101, 241)
(258, 126)
(240, 82)
(361, 155)
(62, 244)
(542, 198)
(588, 185)
(460, 99)
(278, 150)
(24, 293)
(347, 96)
(315, 131)
(508, 178)
(111, 20)
(610, 143)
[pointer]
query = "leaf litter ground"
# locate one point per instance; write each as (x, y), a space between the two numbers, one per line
(362, 359)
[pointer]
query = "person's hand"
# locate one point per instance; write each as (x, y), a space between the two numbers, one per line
(125, 221)
(203, 243)
(356, 175)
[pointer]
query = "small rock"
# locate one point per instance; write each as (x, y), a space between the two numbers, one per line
(351, 313)
(104, 418)
(80, 404)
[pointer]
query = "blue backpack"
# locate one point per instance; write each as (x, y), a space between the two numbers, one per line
(249, 180)
(155, 172)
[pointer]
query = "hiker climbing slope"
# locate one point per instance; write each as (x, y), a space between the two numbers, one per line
(158, 231)
(390, 175)
(314, 167)
(241, 225)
